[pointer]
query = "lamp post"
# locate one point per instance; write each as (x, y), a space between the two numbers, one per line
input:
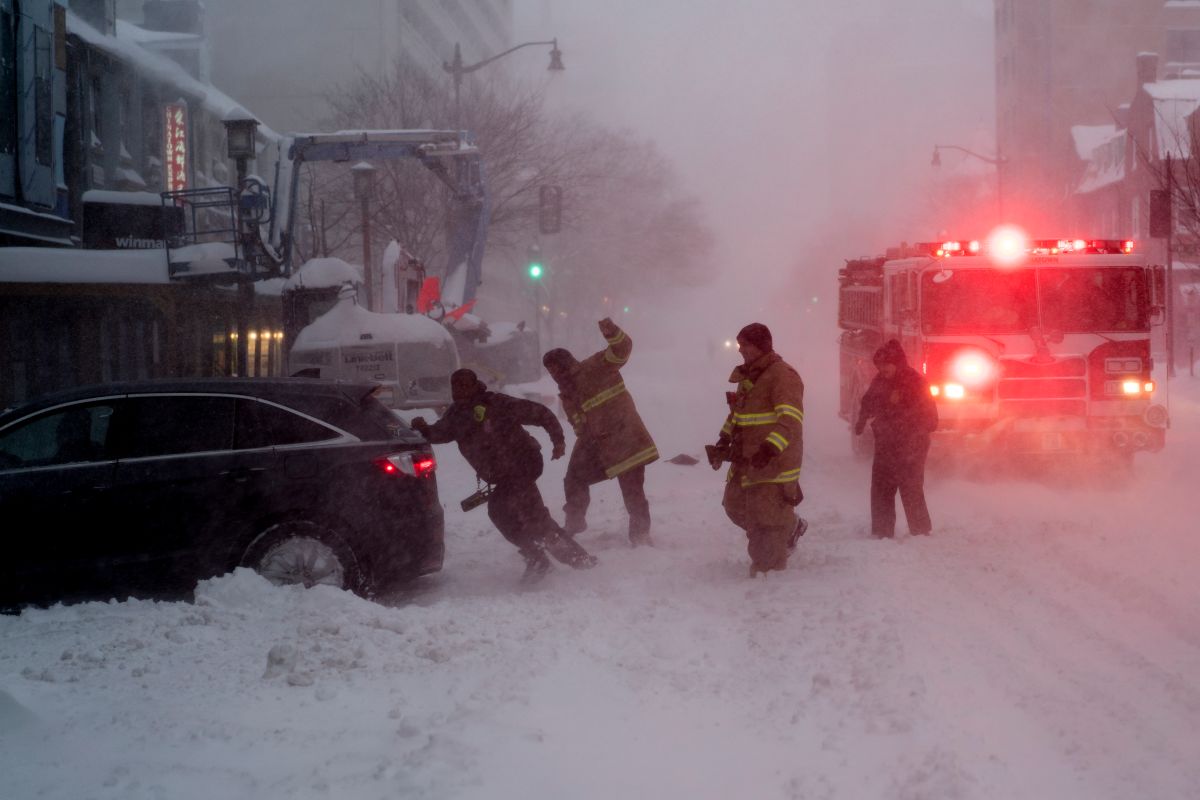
(241, 138)
(998, 162)
(364, 189)
(457, 69)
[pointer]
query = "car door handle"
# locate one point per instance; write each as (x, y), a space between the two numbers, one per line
(242, 474)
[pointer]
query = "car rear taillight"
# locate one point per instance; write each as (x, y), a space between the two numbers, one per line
(414, 465)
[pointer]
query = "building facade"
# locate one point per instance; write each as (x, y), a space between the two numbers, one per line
(282, 62)
(33, 113)
(1064, 63)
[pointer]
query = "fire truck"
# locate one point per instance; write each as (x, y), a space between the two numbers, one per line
(1042, 347)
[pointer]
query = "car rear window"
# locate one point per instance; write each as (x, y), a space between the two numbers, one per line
(264, 425)
(370, 420)
(159, 425)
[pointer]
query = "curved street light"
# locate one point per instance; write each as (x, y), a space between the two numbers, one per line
(998, 162)
(457, 69)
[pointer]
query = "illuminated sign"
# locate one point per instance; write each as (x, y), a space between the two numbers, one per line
(175, 147)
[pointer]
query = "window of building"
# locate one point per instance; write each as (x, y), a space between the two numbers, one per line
(1183, 46)
(8, 84)
(43, 96)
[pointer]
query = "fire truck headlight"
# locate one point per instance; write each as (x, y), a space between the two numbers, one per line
(973, 368)
(954, 391)
(1131, 387)
(935, 390)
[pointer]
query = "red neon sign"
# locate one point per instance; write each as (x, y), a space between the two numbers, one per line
(175, 147)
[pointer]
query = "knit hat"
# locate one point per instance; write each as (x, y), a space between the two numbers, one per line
(890, 353)
(558, 357)
(465, 384)
(758, 335)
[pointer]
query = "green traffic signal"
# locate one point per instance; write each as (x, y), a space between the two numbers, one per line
(535, 271)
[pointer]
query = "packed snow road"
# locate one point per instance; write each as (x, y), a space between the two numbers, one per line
(1044, 642)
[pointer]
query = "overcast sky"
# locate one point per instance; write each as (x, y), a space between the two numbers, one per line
(799, 124)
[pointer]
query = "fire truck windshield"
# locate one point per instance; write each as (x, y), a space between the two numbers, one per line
(1077, 300)
(1072, 300)
(977, 301)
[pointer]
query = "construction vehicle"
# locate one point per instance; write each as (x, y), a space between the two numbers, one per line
(402, 285)
(1046, 347)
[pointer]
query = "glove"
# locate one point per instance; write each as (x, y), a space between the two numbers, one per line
(608, 328)
(560, 449)
(718, 453)
(713, 453)
(421, 426)
(860, 426)
(763, 455)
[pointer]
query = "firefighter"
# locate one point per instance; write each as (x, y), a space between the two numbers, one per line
(903, 416)
(488, 429)
(611, 440)
(763, 438)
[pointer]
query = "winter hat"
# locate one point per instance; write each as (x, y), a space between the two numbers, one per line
(758, 335)
(465, 384)
(890, 353)
(558, 357)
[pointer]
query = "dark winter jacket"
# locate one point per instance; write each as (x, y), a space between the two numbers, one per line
(901, 409)
(488, 430)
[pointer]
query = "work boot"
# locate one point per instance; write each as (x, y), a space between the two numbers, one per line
(536, 565)
(797, 532)
(570, 552)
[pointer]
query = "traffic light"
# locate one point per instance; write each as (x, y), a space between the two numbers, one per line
(550, 209)
(535, 269)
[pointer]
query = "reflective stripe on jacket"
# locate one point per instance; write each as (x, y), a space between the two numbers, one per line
(601, 409)
(767, 407)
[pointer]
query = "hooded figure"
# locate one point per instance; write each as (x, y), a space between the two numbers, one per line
(489, 430)
(902, 415)
(763, 438)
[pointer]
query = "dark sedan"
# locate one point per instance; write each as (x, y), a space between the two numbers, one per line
(143, 489)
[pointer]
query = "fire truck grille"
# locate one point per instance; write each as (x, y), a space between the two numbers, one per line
(1066, 368)
(1043, 408)
(1042, 388)
(1039, 390)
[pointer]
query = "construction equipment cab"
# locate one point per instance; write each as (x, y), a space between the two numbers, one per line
(1030, 347)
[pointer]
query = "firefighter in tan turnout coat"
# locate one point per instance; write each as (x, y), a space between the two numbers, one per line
(611, 440)
(763, 439)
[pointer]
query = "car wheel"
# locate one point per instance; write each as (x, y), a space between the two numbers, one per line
(305, 553)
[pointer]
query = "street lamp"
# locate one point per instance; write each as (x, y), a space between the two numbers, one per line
(364, 190)
(241, 135)
(458, 69)
(998, 162)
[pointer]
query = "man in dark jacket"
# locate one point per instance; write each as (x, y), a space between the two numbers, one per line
(488, 427)
(904, 415)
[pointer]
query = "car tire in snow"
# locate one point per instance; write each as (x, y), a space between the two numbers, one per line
(305, 553)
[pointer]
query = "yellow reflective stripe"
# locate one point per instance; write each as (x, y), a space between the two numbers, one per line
(783, 409)
(603, 397)
(649, 454)
(778, 440)
(768, 418)
(783, 477)
(613, 358)
(727, 428)
(620, 337)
